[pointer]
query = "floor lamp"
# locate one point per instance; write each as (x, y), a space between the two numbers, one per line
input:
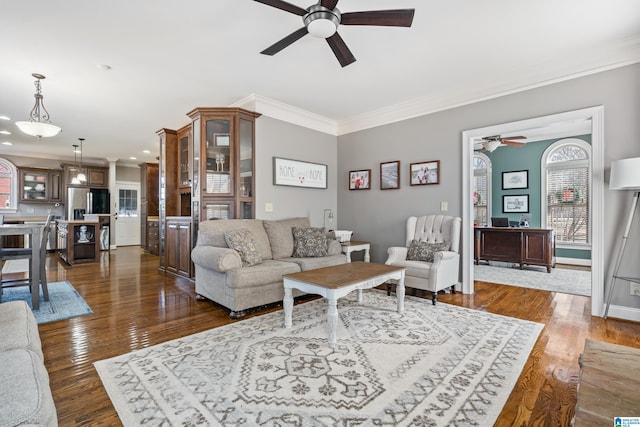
(625, 175)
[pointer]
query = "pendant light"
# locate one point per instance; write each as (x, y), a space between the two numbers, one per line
(38, 124)
(75, 179)
(81, 176)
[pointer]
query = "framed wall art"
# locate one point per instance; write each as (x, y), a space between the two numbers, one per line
(360, 180)
(515, 180)
(515, 203)
(390, 175)
(296, 173)
(425, 173)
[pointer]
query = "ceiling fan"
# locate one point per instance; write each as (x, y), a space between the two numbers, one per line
(490, 143)
(322, 20)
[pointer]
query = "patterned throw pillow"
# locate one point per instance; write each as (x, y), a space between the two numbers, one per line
(242, 241)
(309, 242)
(425, 251)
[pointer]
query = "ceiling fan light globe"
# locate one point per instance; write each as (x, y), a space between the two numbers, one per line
(38, 129)
(322, 28)
(491, 145)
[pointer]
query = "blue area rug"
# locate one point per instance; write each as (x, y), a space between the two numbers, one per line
(64, 302)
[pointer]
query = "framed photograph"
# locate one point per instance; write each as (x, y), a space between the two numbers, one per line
(515, 203)
(360, 180)
(515, 180)
(221, 139)
(296, 173)
(390, 175)
(425, 173)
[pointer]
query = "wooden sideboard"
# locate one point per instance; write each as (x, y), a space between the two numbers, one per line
(531, 246)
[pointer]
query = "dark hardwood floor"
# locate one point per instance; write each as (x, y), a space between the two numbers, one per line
(135, 306)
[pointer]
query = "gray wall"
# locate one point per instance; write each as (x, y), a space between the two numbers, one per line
(379, 216)
(282, 139)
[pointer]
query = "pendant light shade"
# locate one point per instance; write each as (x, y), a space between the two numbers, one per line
(81, 176)
(38, 124)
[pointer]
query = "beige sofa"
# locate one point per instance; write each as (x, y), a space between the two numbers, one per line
(221, 276)
(25, 396)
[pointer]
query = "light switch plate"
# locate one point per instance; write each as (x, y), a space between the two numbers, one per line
(268, 207)
(634, 288)
(444, 206)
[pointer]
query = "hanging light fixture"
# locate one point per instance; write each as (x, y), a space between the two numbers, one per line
(81, 176)
(75, 179)
(38, 124)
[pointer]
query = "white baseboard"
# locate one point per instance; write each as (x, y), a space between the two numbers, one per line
(626, 313)
(574, 261)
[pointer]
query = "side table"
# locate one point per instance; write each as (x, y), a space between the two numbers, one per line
(348, 247)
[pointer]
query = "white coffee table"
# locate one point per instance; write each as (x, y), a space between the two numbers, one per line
(338, 281)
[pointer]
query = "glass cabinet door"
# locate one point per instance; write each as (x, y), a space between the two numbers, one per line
(34, 185)
(183, 153)
(219, 157)
(246, 158)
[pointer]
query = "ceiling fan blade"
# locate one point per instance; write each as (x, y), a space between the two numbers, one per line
(329, 4)
(515, 137)
(340, 50)
(283, 5)
(391, 18)
(513, 143)
(279, 45)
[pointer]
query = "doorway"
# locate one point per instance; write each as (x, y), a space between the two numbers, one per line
(595, 115)
(128, 208)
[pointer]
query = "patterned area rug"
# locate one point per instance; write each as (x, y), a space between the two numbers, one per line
(576, 282)
(435, 366)
(64, 302)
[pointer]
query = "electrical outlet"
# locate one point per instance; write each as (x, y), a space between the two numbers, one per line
(634, 288)
(444, 206)
(31, 210)
(268, 207)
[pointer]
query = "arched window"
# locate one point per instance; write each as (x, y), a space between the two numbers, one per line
(481, 190)
(8, 186)
(566, 172)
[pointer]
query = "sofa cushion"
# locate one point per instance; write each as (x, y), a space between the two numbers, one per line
(242, 241)
(425, 251)
(25, 396)
(281, 236)
(309, 242)
(269, 271)
(19, 328)
(211, 233)
(317, 262)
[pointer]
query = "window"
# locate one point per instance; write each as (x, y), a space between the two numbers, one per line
(128, 203)
(8, 186)
(481, 190)
(566, 168)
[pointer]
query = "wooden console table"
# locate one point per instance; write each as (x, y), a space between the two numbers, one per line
(532, 246)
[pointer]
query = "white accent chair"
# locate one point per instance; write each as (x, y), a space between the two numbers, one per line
(434, 276)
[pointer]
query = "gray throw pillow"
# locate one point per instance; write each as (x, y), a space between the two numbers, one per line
(242, 241)
(425, 251)
(309, 242)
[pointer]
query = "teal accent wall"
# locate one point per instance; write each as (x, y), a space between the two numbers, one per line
(527, 157)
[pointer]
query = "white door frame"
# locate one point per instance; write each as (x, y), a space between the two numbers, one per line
(596, 114)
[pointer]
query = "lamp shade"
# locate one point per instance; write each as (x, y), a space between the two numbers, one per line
(625, 174)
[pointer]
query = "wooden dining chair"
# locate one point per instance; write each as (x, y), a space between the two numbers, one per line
(26, 253)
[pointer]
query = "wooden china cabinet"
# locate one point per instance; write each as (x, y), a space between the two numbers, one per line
(207, 169)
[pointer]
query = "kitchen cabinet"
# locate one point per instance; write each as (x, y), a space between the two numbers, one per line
(149, 184)
(40, 185)
(97, 176)
(78, 241)
(179, 242)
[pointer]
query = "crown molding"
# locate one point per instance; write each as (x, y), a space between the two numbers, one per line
(279, 110)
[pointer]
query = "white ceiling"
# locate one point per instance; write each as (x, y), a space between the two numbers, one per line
(169, 56)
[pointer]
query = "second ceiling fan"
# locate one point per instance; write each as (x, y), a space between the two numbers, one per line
(323, 18)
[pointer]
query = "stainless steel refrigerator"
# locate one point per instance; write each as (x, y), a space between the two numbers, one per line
(84, 200)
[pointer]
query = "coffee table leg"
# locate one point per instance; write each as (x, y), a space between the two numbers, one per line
(287, 303)
(360, 299)
(332, 320)
(400, 294)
